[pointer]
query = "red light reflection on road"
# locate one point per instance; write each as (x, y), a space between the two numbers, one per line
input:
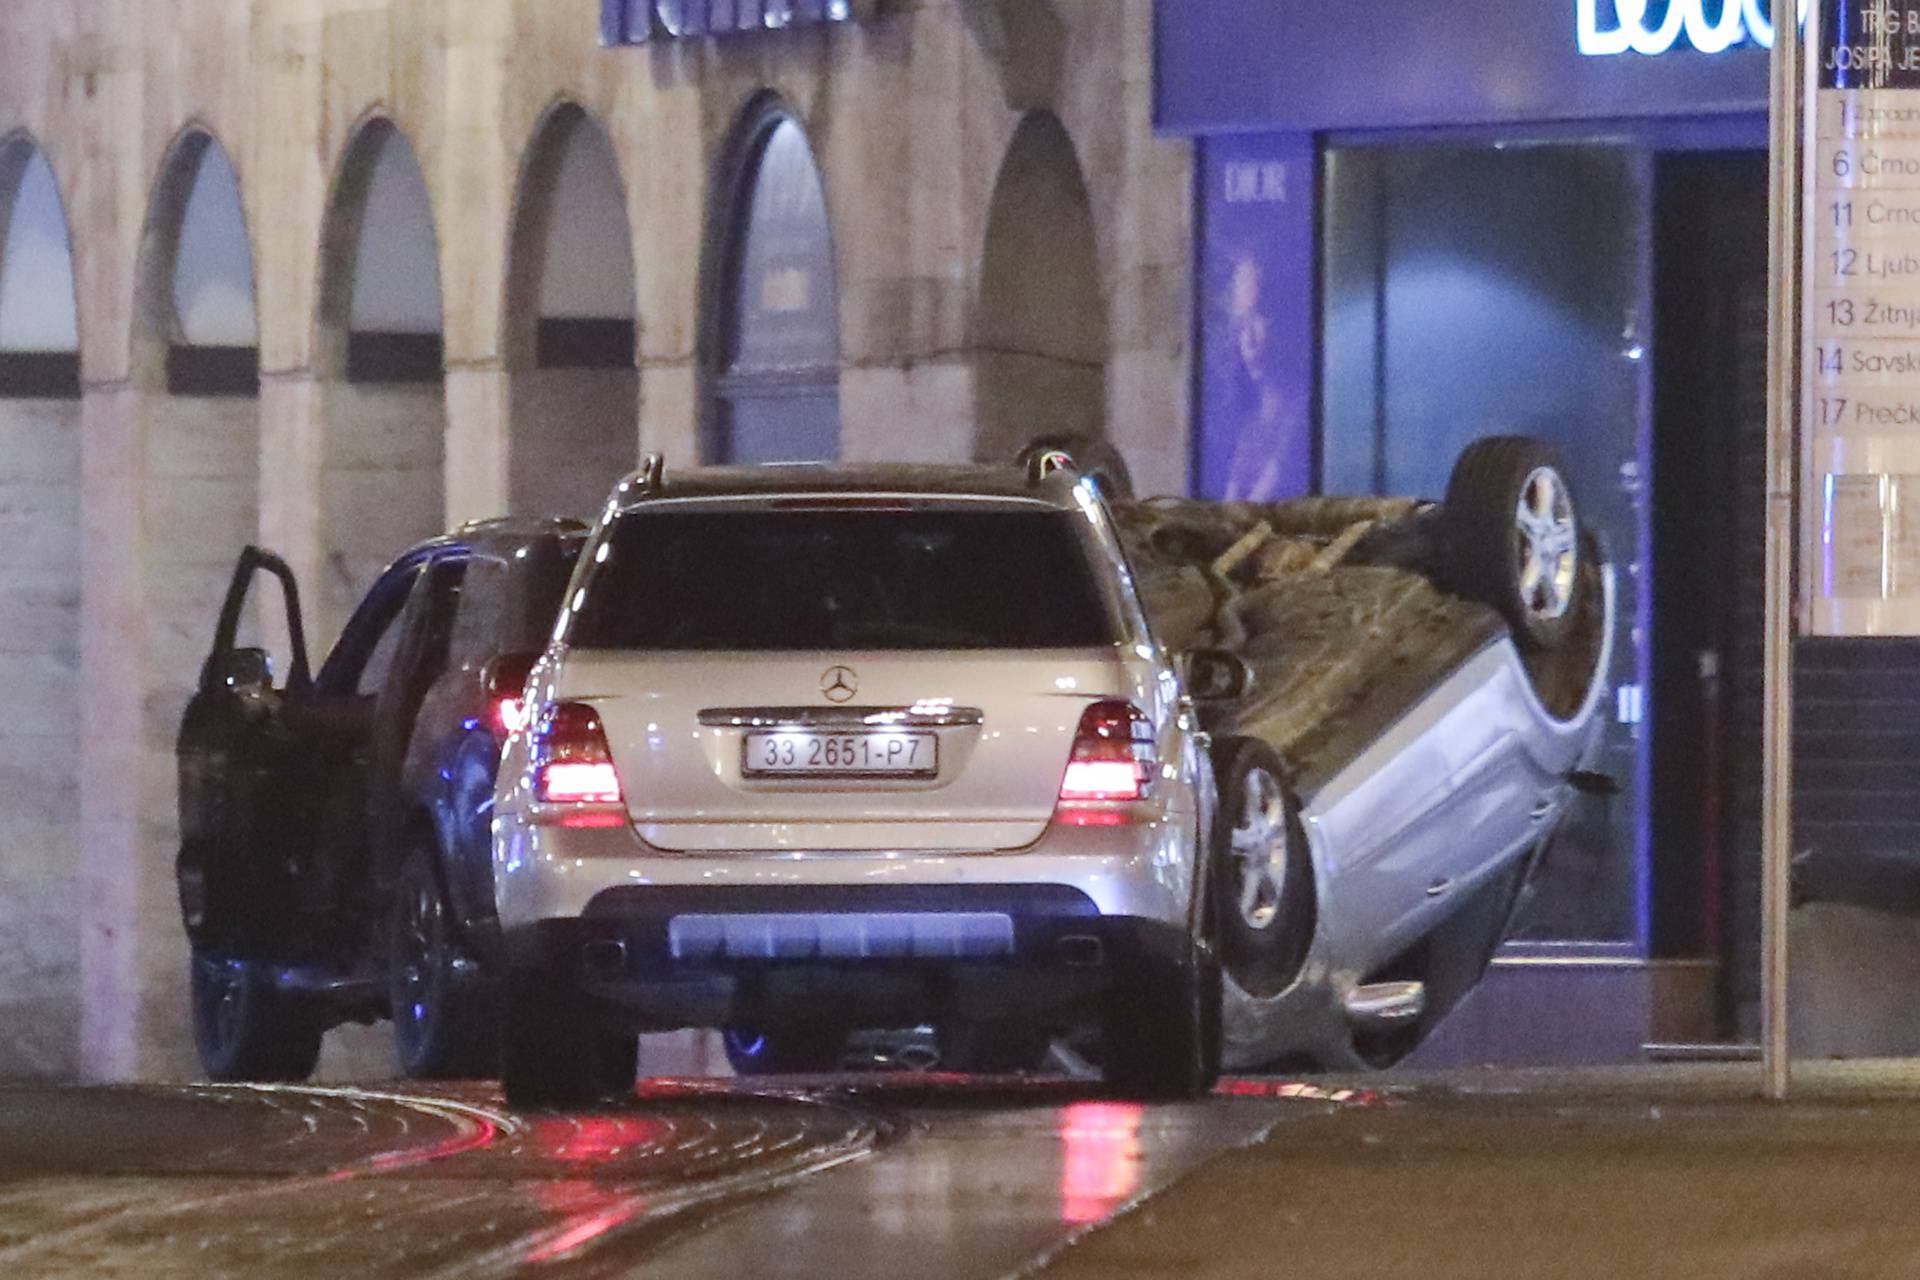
(474, 1135)
(589, 1140)
(1100, 1168)
(587, 1211)
(1299, 1091)
(591, 1212)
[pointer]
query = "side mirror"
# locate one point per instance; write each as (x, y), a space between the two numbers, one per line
(1215, 675)
(239, 669)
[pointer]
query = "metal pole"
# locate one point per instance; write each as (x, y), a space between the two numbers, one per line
(1783, 405)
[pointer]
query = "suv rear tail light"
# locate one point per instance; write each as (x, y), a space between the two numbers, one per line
(572, 765)
(506, 692)
(1113, 756)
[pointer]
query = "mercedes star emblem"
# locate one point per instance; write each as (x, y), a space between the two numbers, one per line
(839, 684)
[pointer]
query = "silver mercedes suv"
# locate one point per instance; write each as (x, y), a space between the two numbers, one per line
(823, 749)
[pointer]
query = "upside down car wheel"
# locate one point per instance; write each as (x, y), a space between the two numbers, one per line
(1514, 537)
(1262, 879)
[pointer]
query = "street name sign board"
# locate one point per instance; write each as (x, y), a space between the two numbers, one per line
(1860, 413)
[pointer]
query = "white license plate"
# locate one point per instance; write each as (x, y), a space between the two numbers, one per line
(807, 753)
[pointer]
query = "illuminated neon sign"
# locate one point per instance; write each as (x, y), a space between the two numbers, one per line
(644, 21)
(1634, 29)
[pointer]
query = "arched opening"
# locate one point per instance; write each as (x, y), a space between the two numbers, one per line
(40, 627)
(196, 331)
(570, 324)
(383, 459)
(194, 406)
(196, 358)
(1041, 326)
(773, 332)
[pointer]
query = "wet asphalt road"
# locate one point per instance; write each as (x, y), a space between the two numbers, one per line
(858, 1176)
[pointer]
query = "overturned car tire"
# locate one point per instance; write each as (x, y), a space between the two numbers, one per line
(1263, 882)
(1513, 537)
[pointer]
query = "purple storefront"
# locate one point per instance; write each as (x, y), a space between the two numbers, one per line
(1419, 223)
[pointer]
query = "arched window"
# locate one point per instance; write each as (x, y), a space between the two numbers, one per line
(1041, 325)
(382, 446)
(774, 340)
(570, 323)
(39, 336)
(380, 270)
(208, 319)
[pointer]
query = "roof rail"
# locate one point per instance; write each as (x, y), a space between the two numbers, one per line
(1044, 463)
(650, 478)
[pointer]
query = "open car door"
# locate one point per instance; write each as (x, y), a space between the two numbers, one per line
(244, 817)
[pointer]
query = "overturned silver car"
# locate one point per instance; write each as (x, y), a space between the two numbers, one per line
(1418, 706)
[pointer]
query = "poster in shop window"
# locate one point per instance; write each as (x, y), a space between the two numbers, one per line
(1254, 420)
(1861, 415)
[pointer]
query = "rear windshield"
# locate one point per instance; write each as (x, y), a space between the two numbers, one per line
(844, 579)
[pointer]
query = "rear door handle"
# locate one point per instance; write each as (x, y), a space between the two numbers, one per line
(1441, 887)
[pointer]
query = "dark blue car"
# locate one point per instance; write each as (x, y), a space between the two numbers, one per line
(334, 861)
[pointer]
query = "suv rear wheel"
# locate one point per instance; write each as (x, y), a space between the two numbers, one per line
(443, 1025)
(554, 1055)
(1162, 1028)
(246, 1030)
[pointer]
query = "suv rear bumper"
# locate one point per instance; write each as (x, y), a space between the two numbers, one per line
(1142, 870)
(877, 955)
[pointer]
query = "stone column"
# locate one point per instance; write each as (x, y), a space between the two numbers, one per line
(40, 738)
(114, 877)
(292, 423)
(479, 413)
(670, 411)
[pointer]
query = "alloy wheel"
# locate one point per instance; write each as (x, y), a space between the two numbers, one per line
(1259, 847)
(419, 925)
(1546, 542)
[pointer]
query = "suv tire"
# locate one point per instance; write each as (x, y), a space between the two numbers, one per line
(444, 1027)
(1513, 537)
(1162, 1027)
(553, 1054)
(244, 1029)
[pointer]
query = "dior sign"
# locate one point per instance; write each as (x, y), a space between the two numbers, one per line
(645, 21)
(1609, 27)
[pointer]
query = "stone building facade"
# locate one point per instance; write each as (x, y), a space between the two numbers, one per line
(345, 272)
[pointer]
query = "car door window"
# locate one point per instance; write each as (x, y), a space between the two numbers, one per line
(362, 658)
(443, 591)
(476, 626)
(380, 661)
